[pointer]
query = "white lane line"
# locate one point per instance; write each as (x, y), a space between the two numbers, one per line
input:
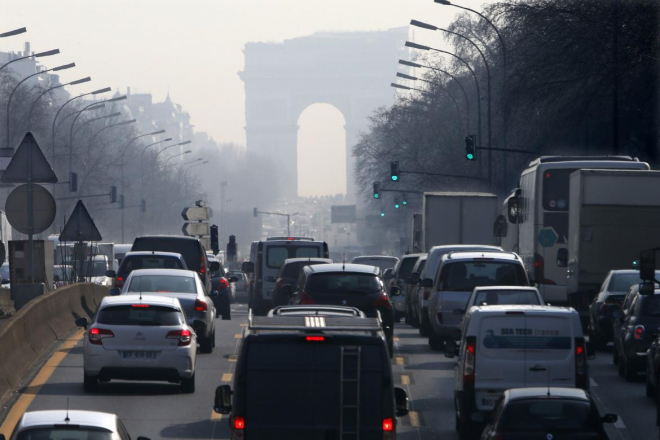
(592, 382)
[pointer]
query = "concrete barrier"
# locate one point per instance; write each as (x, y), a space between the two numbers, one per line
(6, 303)
(40, 323)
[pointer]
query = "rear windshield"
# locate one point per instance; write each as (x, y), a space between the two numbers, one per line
(650, 306)
(547, 415)
(130, 315)
(190, 250)
(292, 270)
(275, 255)
(465, 276)
(623, 281)
(406, 267)
(342, 283)
(421, 266)
(163, 283)
(504, 297)
(133, 262)
(505, 336)
(383, 262)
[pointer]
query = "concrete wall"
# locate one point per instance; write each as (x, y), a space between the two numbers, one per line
(41, 322)
(6, 303)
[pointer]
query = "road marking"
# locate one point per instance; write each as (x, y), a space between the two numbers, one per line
(227, 377)
(414, 418)
(592, 382)
(395, 339)
(215, 416)
(42, 377)
(619, 424)
(243, 324)
(399, 360)
(405, 379)
(238, 336)
(232, 358)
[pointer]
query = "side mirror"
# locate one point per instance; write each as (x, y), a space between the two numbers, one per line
(426, 282)
(222, 400)
(247, 267)
(401, 401)
(115, 292)
(610, 418)
(80, 322)
(591, 350)
(451, 349)
(647, 288)
(395, 291)
(214, 266)
(233, 279)
(513, 210)
(111, 274)
(500, 227)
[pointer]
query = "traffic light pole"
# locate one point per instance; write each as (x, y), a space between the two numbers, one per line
(511, 150)
(443, 174)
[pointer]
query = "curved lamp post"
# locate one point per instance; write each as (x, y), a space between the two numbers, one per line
(36, 55)
(14, 32)
(176, 155)
(170, 146)
(111, 115)
(72, 83)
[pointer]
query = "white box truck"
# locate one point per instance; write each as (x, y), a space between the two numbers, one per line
(458, 218)
(613, 216)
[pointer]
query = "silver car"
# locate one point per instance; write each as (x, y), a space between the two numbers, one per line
(139, 337)
(188, 288)
(63, 424)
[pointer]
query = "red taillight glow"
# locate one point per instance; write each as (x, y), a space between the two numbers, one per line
(119, 282)
(382, 301)
(579, 350)
(639, 331)
(96, 335)
(581, 377)
(184, 336)
(315, 338)
(223, 284)
(239, 422)
(142, 306)
(201, 306)
(388, 425)
(202, 265)
(306, 299)
(469, 364)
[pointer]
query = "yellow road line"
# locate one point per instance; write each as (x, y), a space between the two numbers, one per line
(395, 339)
(399, 360)
(243, 324)
(238, 336)
(227, 377)
(42, 377)
(414, 418)
(232, 358)
(215, 416)
(405, 379)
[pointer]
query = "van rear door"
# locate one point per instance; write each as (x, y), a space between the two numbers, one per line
(293, 388)
(550, 359)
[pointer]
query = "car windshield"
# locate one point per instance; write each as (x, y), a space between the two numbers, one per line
(139, 314)
(546, 415)
(504, 297)
(239, 275)
(64, 434)
(342, 283)
(621, 282)
(163, 283)
(465, 276)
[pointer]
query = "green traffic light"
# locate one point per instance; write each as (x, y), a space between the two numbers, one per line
(382, 214)
(405, 202)
(376, 196)
(470, 156)
(397, 206)
(395, 178)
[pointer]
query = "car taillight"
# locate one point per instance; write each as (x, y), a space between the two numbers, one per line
(202, 264)
(223, 284)
(315, 338)
(388, 425)
(581, 378)
(184, 336)
(119, 282)
(306, 299)
(96, 335)
(639, 331)
(201, 306)
(469, 364)
(427, 293)
(383, 301)
(239, 422)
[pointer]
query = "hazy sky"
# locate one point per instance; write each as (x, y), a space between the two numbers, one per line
(193, 48)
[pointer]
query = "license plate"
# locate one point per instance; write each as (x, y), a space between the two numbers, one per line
(140, 354)
(488, 402)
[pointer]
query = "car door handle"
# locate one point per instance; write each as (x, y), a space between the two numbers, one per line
(538, 368)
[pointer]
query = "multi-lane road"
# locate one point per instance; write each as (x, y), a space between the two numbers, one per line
(159, 411)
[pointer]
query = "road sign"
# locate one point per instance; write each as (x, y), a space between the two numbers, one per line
(196, 214)
(80, 226)
(16, 209)
(195, 229)
(547, 237)
(343, 214)
(29, 160)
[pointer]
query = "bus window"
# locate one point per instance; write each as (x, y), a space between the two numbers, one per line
(555, 189)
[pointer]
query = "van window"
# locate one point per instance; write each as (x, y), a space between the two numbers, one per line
(465, 276)
(129, 315)
(406, 267)
(555, 189)
(547, 414)
(190, 250)
(275, 255)
(342, 283)
(506, 297)
(503, 336)
(650, 306)
(163, 283)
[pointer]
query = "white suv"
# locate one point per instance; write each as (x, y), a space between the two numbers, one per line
(458, 275)
(139, 337)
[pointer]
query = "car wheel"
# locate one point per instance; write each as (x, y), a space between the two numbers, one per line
(90, 383)
(424, 326)
(436, 342)
(188, 385)
(461, 428)
(629, 373)
(408, 318)
(615, 356)
(213, 338)
(226, 315)
(206, 344)
(650, 389)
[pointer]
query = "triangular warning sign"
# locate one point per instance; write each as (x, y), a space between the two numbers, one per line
(80, 226)
(28, 157)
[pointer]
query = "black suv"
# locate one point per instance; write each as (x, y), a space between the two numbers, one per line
(288, 276)
(312, 377)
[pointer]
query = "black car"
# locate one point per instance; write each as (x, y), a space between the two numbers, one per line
(653, 364)
(353, 285)
(635, 327)
(609, 299)
(546, 413)
(288, 276)
(312, 376)
(145, 260)
(221, 288)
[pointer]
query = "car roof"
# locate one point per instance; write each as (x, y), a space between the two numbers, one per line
(468, 247)
(312, 259)
(133, 298)
(168, 272)
(419, 255)
(341, 267)
(375, 257)
(179, 237)
(153, 253)
(487, 288)
(453, 256)
(34, 419)
(624, 271)
(545, 392)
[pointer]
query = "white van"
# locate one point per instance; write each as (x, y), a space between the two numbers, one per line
(515, 346)
(270, 255)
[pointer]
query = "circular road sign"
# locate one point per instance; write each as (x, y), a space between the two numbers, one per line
(16, 208)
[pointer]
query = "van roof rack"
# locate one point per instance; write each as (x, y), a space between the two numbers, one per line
(548, 159)
(314, 323)
(290, 238)
(316, 310)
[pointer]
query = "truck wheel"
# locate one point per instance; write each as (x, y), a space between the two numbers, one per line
(615, 356)
(206, 344)
(629, 373)
(436, 342)
(650, 389)
(461, 429)
(188, 385)
(226, 314)
(90, 383)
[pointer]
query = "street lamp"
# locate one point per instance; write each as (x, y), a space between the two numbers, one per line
(11, 95)
(188, 163)
(176, 155)
(72, 83)
(36, 55)
(111, 115)
(185, 172)
(73, 123)
(170, 146)
(14, 32)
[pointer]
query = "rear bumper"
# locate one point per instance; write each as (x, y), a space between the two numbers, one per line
(111, 364)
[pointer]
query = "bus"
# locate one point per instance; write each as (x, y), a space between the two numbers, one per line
(534, 218)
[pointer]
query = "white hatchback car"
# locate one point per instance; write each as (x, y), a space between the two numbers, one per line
(63, 424)
(135, 337)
